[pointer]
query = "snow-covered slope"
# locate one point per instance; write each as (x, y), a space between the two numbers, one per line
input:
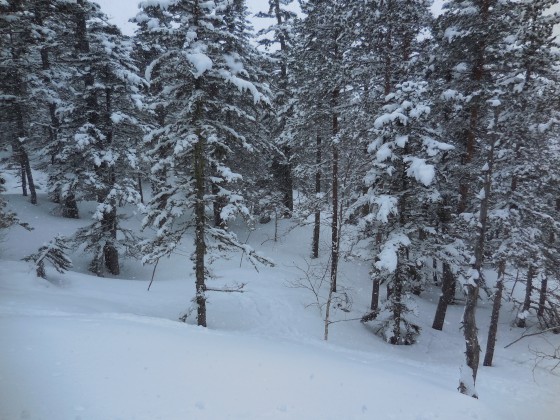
(82, 347)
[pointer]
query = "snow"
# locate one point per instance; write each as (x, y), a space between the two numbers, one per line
(420, 170)
(386, 206)
(201, 62)
(388, 257)
(80, 346)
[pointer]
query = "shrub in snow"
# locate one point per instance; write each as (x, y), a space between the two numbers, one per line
(55, 253)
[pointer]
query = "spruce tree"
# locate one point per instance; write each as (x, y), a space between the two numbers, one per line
(199, 80)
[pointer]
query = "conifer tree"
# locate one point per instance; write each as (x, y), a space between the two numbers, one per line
(15, 37)
(97, 160)
(199, 80)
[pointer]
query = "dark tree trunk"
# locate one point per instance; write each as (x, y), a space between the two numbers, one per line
(469, 318)
(70, 207)
(470, 331)
(446, 297)
(285, 167)
(334, 223)
(107, 172)
(493, 330)
(217, 206)
(22, 155)
(23, 180)
(317, 221)
(140, 189)
(542, 296)
(396, 300)
(288, 184)
(521, 322)
(200, 221)
(111, 256)
(374, 305)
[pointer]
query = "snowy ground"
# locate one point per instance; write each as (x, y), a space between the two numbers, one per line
(82, 347)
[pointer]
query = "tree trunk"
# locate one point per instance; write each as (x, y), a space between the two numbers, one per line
(492, 331)
(70, 207)
(111, 256)
(200, 223)
(472, 353)
(374, 305)
(22, 155)
(542, 296)
(521, 323)
(140, 189)
(317, 221)
(23, 180)
(472, 287)
(334, 223)
(217, 206)
(396, 301)
(446, 297)
(287, 182)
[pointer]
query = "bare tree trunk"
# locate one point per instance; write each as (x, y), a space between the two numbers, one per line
(317, 221)
(472, 287)
(493, 330)
(446, 297)
(287, 182)
(22, 155)
(542, 295)
(23, 180)
(374, 305)
(328, 312)
(334, 223)
(217, 206)
(110, 221)
(527, 302)
(70, 207)
(140, 189)
(200, 222)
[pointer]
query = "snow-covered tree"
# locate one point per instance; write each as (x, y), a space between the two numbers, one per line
(97, 159)
(55, 253)
(200, 80)
(16, 35)
(277, 39)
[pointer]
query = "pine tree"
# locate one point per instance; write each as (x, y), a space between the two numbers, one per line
(278, 40)
(16, 35)
(97, 160)
(199, 81)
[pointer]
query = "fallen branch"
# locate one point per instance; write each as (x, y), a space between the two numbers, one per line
(530, 335)
(237, 289)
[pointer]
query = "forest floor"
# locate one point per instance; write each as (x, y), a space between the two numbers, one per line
(83, 347)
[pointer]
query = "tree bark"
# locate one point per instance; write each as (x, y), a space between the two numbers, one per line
(446, 297)
(374, 305)
(287, 182)
(200, 223)
(542, 295)
(317, 221)
(23, 180)
(497, 304)
(334, 223)
(521, 322)
(22, 155)
(470, 330)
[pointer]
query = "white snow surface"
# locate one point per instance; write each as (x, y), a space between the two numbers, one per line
(89, 348)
